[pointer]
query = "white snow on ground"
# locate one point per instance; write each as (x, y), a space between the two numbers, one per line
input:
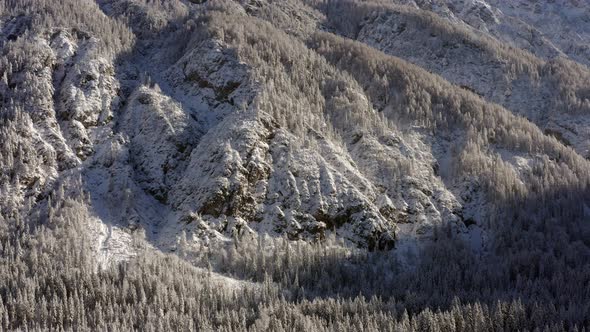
(113, 244)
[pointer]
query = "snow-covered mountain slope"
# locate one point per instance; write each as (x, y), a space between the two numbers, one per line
(252, 117)
(545, 28)
(548, 90)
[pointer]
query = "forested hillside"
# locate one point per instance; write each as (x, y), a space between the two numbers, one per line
(289, 165)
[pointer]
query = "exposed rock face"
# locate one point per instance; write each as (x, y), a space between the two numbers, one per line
(87, 91)
(160, 135)
(262, 179)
